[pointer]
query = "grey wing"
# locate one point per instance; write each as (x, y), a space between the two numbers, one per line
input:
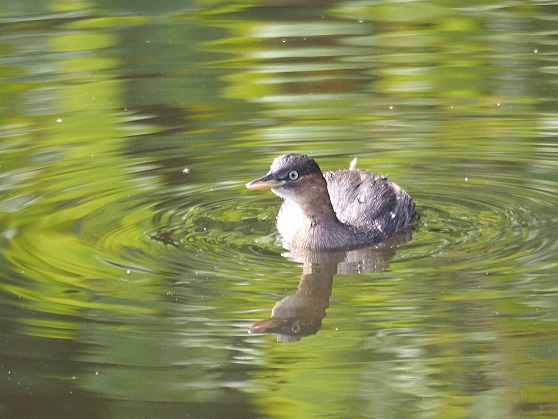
(367, 200)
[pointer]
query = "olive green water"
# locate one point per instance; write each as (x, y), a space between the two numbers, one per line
(133, 261)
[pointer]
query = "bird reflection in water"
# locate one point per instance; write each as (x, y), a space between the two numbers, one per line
(301, 314)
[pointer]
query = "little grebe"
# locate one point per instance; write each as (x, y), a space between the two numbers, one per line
(334, 210)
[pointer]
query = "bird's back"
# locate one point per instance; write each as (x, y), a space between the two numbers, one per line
(369, 202)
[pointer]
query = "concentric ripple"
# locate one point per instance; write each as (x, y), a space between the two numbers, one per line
(209, 230)
(481, 225)
(490, 226)
(478, 225)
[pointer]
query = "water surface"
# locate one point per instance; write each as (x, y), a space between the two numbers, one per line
(134, 261)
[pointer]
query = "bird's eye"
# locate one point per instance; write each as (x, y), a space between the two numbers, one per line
(293, 175)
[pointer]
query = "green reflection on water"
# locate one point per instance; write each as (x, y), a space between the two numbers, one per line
(72, 156)
(154, 273)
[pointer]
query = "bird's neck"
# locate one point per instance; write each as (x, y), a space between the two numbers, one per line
(319, 211)
(321, 227)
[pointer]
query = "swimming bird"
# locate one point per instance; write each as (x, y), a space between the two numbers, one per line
(336, 210)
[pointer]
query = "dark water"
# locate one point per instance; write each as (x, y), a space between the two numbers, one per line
(134, 261)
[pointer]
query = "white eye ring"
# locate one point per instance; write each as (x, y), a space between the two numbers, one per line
(293, 175)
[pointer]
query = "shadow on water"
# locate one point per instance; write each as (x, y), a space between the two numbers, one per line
(301, 314)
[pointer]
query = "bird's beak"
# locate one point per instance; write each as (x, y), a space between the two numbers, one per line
(266, 182)
(265, 326)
